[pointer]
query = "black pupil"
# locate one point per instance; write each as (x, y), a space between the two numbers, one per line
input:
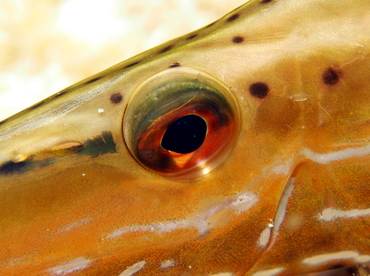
(185, 135)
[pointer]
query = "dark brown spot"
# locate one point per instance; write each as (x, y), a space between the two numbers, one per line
(233, 17)
(131, 64)
(12, 167)
(265, 1)
(238, 39)
(93, 80)
(116, 98)
(259, 90)
(36, 105)
(175, 64)
(191, 36)
(166, 49)
(331, 76)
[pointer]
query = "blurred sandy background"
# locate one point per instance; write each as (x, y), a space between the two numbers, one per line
(47, 45)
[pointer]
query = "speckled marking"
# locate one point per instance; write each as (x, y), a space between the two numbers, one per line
(233, 17)
(259, 90)
(116, 98)
(131, 64)
(166, 49)
(175, 64)
(238, 39)
(93, 80)
(331, 76)
(36, 105)
(191, 36)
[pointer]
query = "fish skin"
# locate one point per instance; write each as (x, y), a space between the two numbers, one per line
(289, 198)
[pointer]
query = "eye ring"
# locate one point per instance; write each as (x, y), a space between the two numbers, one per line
(193, 103)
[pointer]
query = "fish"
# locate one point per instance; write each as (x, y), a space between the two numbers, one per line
(241, 148)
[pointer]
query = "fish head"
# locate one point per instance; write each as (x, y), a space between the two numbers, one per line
(239, 149)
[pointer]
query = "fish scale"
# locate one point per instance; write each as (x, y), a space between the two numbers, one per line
(279, 185)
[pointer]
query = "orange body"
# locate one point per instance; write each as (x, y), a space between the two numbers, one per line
(279, 186)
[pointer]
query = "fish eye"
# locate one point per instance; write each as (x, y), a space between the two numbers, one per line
(181, 123)
(185, 135)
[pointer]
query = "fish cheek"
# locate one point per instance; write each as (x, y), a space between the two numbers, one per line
(277, 116)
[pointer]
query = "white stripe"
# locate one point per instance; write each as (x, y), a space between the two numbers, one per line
(133, 269)
(362, 259)
(329, 214)
(324, 158)
(281, 210)
(337, 256)
(71, 266)
(269, 272)
(200, 221)
(329, 257)
(264, 237)
(167, 264)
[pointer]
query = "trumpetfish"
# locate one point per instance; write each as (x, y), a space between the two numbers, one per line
(241, 148)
